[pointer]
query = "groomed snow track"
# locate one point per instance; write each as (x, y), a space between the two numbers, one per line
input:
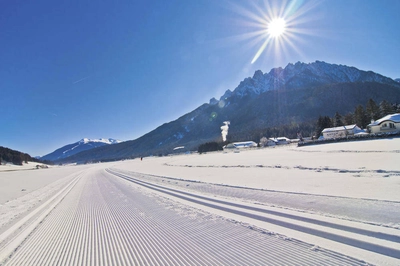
(381, 245)
(105, 217)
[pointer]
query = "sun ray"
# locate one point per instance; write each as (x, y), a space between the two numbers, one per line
(245, 37)
(259, 52)
(245, 13)
(274, 28)
(292, 8)
(282, 22)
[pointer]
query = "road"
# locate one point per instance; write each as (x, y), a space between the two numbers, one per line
(106, 216)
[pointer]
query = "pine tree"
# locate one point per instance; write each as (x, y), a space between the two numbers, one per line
(385, 108)
(338, 120)
(209, 146)
(349, 119)
(372, 109)
(360, 117)
(322, 123)
(396, 108)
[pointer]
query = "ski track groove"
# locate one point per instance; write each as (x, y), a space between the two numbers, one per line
(104, 220)
(32, 248)
(173, 237)
(157, 188)
(229, 235)
(30, 252)
(332, 236)
(183, 260)
(22, 229)
(161, 249)
(224, 234)
(282, 214)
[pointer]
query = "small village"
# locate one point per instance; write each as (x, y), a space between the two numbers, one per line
(388, 125)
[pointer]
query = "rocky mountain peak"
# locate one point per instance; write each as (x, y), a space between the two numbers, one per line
(258, 75)
(301, 75)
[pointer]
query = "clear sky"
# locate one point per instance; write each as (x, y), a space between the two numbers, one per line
(119, 69)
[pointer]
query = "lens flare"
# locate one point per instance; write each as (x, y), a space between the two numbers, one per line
(275, 28)
(213, 116)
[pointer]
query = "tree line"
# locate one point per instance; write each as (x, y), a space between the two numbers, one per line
(362, 116)
(210, 146)
(11, 156)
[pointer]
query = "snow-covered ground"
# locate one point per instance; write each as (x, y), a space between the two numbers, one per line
(363, 169)
(332, 204)
(6, 167)
(17, 181)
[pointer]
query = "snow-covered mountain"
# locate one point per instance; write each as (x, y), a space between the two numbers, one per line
(301, 75)
(259, 106)
(82, 145)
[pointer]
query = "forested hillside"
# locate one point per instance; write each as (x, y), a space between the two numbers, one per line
(11, 156)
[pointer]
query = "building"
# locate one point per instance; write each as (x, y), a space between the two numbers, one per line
(387, 124)
(237, 145)
(280, 140)
(265, 142)
(341, 132)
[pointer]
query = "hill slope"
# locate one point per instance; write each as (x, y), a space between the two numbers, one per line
(297, 93)
(15, 157)
(77, 147)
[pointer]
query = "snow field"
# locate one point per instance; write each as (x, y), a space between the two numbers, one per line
(333, 204)
(105, 220)
(363, 169)
(18, 183)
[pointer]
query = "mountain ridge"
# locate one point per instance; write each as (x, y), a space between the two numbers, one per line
(291, 95)
(296, 75)
(76, 147)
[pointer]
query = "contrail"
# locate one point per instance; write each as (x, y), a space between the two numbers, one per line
(81, 80)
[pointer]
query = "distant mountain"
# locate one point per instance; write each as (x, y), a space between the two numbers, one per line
(74, 148)
(284, 96)
(398, 80)
(301, 75)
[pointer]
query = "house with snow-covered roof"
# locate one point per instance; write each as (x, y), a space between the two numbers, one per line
(280, 140)
(341, 132)
(387, 124)
(244, 144)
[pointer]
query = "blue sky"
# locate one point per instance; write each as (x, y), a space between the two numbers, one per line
(119, 69)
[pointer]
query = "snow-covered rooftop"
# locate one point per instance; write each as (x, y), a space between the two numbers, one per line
(348, 127)
(393, 117)
(244, 144)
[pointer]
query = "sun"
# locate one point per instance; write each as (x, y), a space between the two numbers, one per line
(276, 27)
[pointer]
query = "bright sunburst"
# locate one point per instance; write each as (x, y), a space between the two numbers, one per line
(277, 27)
